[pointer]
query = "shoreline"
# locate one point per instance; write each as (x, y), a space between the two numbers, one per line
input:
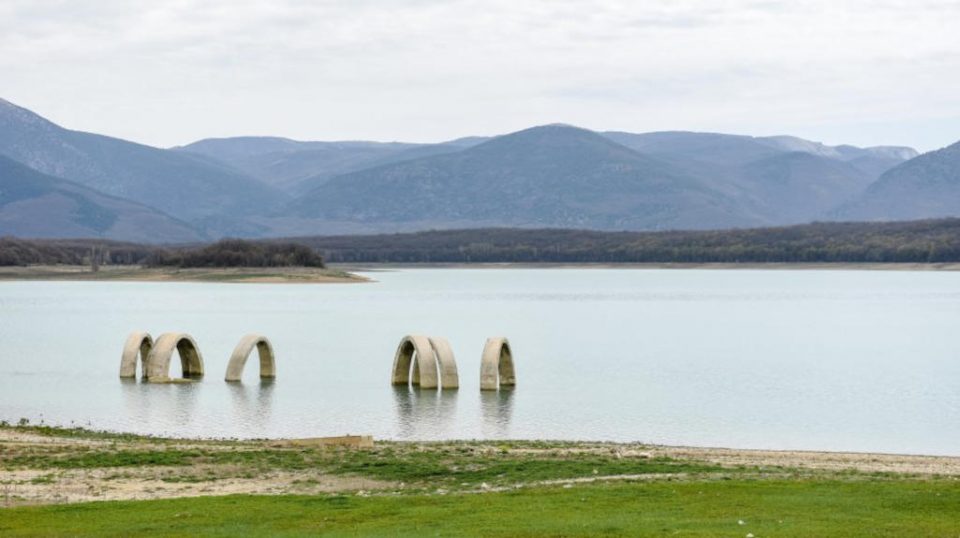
(346, 273)
(128, 273)
(773, 266)
(54, 482)
(52, 465)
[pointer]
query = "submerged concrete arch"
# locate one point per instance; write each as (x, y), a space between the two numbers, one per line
(418, 349)
(449, 379)
(268, 366)
(158, 361)
(496, 364)
(139, 343)
(429, 354)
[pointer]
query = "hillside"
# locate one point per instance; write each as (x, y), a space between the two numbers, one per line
(33, 204)
(549, 176)
(925, 187)
(786, 179)
(297, 167)
(285, 163)
(735, 150)
(556, 176)
(562, 176)
(797, 187)
(185, 186)
(729, 163)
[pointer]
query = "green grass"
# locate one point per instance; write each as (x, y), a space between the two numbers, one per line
(93, 459)
(448, 467)
(767, 508)
(77, 432)
(443, 489)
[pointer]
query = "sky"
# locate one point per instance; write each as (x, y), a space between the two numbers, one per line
(168, 72)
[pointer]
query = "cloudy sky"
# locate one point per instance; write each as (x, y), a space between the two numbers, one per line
(167, 72)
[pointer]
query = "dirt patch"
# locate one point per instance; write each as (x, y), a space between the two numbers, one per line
(113, 484)
(34, 475)
(826, 461)
(832, 461)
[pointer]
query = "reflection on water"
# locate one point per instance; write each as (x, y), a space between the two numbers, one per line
(161, 402)
(252, 404)
(496, 409)
(424, 413)
(169, 405)
(134, 399)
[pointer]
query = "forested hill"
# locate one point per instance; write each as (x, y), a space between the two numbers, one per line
(930, 241)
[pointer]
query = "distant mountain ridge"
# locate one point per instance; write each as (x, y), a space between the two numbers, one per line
(66, 209)
(563, 176)
(543, 176)
(298, 166)
(185, 186)
(925, 187)
(548, 176)
(295, 166)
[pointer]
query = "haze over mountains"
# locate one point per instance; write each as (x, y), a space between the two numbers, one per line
(33, 204)
(183, 185)
(63, 182)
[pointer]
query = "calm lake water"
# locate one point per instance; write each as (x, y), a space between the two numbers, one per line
(824, 360)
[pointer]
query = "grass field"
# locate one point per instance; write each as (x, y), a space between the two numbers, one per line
(725, 508)
(48, 475)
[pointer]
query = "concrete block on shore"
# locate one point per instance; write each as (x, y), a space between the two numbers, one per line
(349, 441)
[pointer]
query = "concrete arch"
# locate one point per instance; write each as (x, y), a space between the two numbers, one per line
(496, 364)
(139, 343)
(158, 361)
(268, 366)
(418, 349)
(449, 379)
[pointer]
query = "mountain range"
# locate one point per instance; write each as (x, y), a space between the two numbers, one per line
(33, 204)
(56, 182)
(183, 185)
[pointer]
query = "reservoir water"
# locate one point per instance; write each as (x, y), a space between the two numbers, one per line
(781, 359)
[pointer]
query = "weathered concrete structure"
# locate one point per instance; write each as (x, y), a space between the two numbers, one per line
(429, 354)
(449, 379)
(139, 343)
(496, 364)
(425, 363)
(158, 361)
(268, 367)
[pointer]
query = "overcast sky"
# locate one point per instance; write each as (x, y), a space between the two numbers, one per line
(165, 73)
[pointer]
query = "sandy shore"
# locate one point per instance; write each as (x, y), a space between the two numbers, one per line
(42, 480)
(298, 275)
(345, 273)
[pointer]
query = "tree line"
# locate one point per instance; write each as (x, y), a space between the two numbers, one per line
(225, 253)
(238, 253)
(928, 241)
(931, 241)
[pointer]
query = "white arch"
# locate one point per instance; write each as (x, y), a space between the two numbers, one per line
(139, 343)
(238, 359)
(158, 361)
(496, 364)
